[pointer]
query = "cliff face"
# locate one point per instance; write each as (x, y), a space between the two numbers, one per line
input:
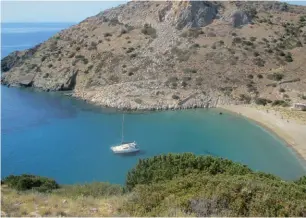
(172, 54)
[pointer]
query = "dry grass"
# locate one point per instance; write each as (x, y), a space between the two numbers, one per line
(37, 204)
(286, 113)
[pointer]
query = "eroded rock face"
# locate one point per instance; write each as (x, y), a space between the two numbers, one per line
(239, 18)
(197, 14)
(189, 13)
(71, 82)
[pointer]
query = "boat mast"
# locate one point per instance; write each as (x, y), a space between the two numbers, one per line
(122, 129)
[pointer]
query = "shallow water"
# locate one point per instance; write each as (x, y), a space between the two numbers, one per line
(69, 140)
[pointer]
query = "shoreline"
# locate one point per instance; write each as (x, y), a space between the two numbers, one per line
(289, 130)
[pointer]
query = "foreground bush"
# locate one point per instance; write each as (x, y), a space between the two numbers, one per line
(219, 195)
(27, 182)
(165, 167)
(170, 185)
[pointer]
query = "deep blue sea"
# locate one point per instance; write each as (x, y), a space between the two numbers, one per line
(53, 135)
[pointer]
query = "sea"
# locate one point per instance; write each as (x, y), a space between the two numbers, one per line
(53, 135)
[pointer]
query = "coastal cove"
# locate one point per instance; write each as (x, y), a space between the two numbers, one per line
(67, 139)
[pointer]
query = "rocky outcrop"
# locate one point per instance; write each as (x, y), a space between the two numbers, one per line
(71, 82)
(27, 80)
(240, 18)
(189, 14)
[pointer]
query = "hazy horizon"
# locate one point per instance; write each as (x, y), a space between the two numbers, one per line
(61, 11)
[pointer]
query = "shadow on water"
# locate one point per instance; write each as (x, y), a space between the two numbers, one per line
(133, 154)
(210, 153)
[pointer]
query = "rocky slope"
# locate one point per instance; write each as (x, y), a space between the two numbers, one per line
(161, 55)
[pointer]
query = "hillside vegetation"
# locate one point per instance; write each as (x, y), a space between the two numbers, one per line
(165, 185)
(161, 55)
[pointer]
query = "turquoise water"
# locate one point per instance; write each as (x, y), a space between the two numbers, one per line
(59, 137)
(56, 136)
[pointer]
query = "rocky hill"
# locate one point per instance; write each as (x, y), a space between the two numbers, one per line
(161, 55)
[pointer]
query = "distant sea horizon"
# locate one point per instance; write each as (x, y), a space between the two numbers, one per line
(13, 38)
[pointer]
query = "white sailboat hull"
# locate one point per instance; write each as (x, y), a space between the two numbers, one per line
(125, 148)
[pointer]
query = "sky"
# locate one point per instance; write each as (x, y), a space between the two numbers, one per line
(59, 11)
(52, 11)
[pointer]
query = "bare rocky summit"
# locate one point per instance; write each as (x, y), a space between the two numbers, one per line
(169, 55)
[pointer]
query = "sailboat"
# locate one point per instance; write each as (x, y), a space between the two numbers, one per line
(125, 147)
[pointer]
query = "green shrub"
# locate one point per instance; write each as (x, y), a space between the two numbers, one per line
(245, 98)
(237, 40)
(107, 34)
(166, 167)
(280, 103)
(256, 54)
(260, 76)
(301, 181)
(248, 43)
(28, 182)
(199, 81)
(190, 70)
(85, 61)
(129, 50)
(302, 96)
(184, 84)
(286, 96)
(149, 30)
(138, 100)
(182, 54)
(262, 101)
(288, 57)
(195, 45)
(250, 76)
(93, 46)
(113, 78)
(71, 55)
(205, 195)
(282, 90)
(276, 76)
(176, 97)
(259, 62)
(192, 32)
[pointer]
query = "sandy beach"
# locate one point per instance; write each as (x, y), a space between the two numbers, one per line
(287, 124)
